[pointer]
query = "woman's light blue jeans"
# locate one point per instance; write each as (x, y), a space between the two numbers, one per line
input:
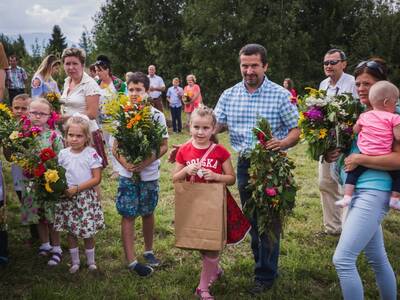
(362, 230)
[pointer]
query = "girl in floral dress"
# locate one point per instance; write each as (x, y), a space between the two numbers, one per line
(80, 213)
(35, 209)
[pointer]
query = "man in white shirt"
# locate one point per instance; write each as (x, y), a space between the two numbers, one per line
(336, 83)
(157, 86)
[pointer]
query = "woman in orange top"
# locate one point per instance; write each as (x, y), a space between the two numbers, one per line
(192, 93)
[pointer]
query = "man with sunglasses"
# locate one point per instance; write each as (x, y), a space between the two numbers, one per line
(336, 83)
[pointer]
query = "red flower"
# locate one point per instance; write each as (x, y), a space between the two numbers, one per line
(46, 154)
(39, 170)
(261, 137)
(270, 192)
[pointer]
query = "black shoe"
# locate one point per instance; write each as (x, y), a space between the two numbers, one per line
(142, 270)
(260, 287)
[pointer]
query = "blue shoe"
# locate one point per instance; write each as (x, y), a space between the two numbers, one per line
(151, 260)
(142, 270)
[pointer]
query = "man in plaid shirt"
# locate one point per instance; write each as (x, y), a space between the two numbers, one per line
(237, 110)
(15, 78)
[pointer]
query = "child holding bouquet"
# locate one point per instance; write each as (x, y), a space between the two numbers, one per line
(36, 209)
(200, 160)
(80, 213)
(376, 130)
(139, 197)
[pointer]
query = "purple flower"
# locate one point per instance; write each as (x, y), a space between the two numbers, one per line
(314, 114)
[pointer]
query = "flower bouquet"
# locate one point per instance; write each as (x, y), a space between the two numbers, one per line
(54, 99)
(326, 122)
(187, 97)
(7, 124)
(43, 170)
(271, 183)
(135, 127)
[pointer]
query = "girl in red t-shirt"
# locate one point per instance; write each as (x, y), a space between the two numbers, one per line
(200, 160)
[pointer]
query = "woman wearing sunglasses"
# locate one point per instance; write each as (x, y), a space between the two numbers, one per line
(362, 230)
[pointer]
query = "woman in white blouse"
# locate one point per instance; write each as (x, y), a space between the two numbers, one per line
(81, 94)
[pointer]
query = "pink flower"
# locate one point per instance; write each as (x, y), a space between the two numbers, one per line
(270, 192)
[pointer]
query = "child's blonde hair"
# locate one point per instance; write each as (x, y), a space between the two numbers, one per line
(42, 101)
(381, 91)
(83, 123)
(204, 111)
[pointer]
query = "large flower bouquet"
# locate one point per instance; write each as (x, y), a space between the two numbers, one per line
(135, 128)
(40, 166)
(326, 122)
(272, 185)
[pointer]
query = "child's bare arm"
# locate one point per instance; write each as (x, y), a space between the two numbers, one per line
(228, 177)
(181, 171)
(95, 180)
(396, 132)
(163, 149)
(121, 159)
(356, 128)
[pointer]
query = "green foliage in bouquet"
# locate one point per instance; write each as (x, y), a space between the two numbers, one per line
(271, 183)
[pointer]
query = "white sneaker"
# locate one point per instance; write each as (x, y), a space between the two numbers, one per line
(74, 269)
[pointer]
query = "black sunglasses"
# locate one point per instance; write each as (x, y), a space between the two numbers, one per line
(372, 65)
(332, 62)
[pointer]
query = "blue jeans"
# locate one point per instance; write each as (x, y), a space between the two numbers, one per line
(265, 251)
(362, 230)
(176, 118)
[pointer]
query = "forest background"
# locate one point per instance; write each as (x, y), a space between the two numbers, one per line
(203, 37)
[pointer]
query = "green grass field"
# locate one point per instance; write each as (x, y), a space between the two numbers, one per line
(306, 270)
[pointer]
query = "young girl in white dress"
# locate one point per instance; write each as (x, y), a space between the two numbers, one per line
(80, 213)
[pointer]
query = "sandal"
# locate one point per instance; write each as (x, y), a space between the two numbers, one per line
(55, 259)
(44, 252)
(74, 269)
(203, 294)
(217, 276)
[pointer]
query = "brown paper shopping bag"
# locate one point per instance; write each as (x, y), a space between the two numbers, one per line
(200, 215)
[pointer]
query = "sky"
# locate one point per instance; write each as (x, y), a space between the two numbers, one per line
(31, 16)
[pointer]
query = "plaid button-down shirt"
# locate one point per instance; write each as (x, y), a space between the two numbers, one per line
(15, 78)
(238, 109)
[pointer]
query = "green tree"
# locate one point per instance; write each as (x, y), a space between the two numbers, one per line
(57, 42)
(86, 43)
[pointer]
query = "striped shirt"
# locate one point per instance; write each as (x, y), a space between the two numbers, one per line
(238, 109)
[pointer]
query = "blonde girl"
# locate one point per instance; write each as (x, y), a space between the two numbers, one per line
(42, 81)
(80, 213)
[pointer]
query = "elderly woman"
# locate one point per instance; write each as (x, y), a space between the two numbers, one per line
(81, 94)
(362, 230)
(42, 81)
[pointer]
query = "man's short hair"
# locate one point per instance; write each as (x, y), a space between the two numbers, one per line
(254, 49)
(139, 77)
(336, 50)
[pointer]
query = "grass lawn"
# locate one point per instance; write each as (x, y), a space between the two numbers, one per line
(306, 270)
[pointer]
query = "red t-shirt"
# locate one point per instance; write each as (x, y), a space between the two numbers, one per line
(188, 154)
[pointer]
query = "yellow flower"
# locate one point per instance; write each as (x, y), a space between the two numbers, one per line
(48, 188)
(302, 135)
(301, 118)
(5, 108)
(14, 135)
(51, 175)
(323, 133)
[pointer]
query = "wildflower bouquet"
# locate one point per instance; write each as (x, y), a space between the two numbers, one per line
(187, 97)
(135, 127)
(7, 123)
(54, 99)
(43, 170)
(271, 183)
(326, 122)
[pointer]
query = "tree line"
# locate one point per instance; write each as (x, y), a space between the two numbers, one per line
(204, 37)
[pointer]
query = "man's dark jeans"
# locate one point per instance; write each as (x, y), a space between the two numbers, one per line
(265, 251)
